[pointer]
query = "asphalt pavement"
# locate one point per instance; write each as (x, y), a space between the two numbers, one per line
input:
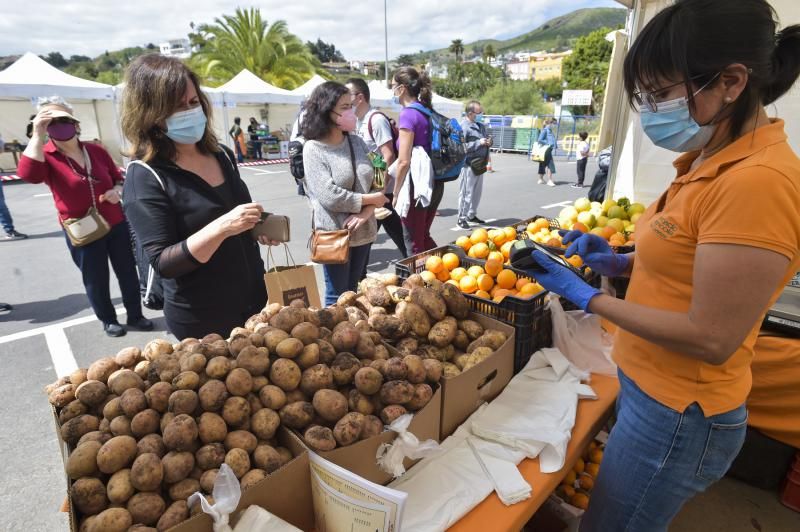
(52, 327)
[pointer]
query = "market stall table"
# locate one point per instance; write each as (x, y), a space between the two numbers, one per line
(491, 514)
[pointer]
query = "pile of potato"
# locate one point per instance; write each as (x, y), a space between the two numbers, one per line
(147, 428)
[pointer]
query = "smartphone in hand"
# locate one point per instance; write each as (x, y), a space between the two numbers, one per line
(273, 226)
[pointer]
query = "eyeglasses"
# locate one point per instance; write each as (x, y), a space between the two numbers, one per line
(650, 99)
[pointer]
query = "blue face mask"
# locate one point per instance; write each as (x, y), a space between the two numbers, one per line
(479, 118)
(395, 99)
(672, 127)
(187, 127)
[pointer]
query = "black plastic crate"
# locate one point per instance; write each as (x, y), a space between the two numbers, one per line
(527, 316)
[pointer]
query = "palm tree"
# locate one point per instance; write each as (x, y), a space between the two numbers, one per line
(489, 53)
(457, 47)
(245, 40)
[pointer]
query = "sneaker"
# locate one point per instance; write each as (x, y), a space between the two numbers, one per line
(540, 181)
(476, 220)
(5, 307)
(462, 223)
(576, 185)
(114, 330)
(551, 184)
(13, 235)
(141, 324)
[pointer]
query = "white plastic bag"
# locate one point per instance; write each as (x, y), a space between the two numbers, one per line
(257, 519)
(390, 456)
(227, 493)
(582, 340)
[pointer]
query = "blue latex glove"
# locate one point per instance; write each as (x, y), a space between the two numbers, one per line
(595, 252)
(563, 281)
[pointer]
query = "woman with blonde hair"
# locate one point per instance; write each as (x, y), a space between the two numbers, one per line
(86, 184)
(187, 203)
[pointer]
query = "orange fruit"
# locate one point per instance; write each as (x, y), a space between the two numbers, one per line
(451, 261)
(529, 290)
(443, 275)
(475, 271)
(540, 224)
(454, 283)
(608, 232)
(553, 243)
(592, 469)
(480, 250)
(570, 478)
(458, 273)
(496, 255)
(434, 264)
(482, 294)
(511, 233)
(522, 281)
(485, 282)
(505, 249)
(577, 226)
(501, 294)
(506, 279)
(479, 236)
(586, 482)
(494, 267)
(580, 500)
(575, 260)
(464, 243)
(565, 492)
(596, 456)
(499, 238)
(579, 466)
(468, 284)
(428, 276)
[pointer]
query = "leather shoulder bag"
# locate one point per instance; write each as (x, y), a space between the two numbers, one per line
(92, 226)
(333, 247)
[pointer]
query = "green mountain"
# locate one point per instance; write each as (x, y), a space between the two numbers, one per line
(558, 33)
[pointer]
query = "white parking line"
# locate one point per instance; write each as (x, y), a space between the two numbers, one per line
(60, 352)
(267, 172)
(42, 195)
(474, 226)
(554, 205)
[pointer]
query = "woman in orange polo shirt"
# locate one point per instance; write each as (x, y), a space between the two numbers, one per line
(712, 254)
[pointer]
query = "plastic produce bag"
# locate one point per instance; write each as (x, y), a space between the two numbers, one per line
(257, 519)
(227, 493)
(581, 339)
(390, 456)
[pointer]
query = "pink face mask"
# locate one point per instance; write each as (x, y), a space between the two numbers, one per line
(347, 120)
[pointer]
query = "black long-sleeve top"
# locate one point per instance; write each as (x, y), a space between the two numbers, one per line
(199, 298)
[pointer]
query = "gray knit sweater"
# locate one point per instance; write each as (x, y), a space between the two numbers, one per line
(329, 184)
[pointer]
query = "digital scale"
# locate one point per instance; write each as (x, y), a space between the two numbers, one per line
(784, 316)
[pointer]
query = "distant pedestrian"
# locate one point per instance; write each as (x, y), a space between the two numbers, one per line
(582, 158)
(237, 135)
(252, 131)
(5, 217)
(548, 137)
(477, 145)
(29, 127)
(86, 182)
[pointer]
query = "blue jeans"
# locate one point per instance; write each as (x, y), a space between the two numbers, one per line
(340, 278)
(656, 459)
(5, 217)
(92, 259)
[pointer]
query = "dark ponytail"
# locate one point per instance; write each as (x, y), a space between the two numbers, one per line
(785, 64)
(418, 84)
(694, 40)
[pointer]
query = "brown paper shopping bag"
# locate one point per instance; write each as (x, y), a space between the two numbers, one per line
(290, 282)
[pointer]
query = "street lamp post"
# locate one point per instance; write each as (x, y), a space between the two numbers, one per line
(386, 43)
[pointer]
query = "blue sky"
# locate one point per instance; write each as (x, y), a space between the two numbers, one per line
(89, 27)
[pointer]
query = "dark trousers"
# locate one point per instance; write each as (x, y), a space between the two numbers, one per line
(339, 278)
(582, 170)
(92, 260)
(5, 217)
(257, 149)
(417, 224)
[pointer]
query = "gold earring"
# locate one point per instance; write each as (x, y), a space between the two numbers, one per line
(728, 99)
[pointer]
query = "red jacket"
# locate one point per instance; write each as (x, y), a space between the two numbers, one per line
(71, 192)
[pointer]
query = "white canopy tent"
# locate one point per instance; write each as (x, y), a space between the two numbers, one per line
(308, 87)
(641, 170)
(381, 96)
(246, 87)
(30, 78)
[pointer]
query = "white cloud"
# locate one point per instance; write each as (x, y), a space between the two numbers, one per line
(89, 27)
